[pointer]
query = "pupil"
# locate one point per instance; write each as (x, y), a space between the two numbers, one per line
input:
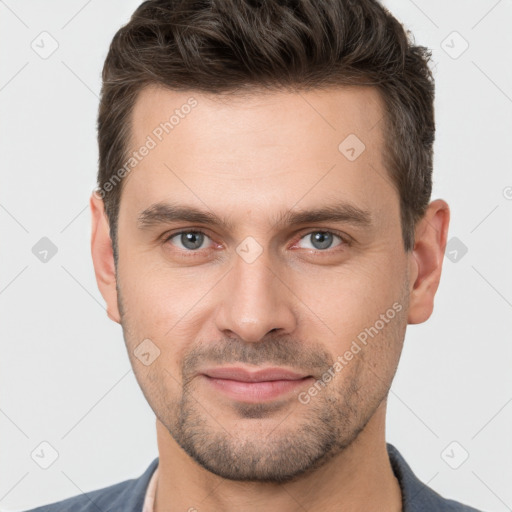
(191, 240)
(323, 238)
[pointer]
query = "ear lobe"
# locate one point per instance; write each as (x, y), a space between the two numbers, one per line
(103, 257)
(426, 260)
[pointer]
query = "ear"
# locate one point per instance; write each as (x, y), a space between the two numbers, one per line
(426, 260)
(103, 257)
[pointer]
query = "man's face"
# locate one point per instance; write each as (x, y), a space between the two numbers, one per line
(255, 291)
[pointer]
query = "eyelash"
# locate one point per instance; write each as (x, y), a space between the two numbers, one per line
(345, 240)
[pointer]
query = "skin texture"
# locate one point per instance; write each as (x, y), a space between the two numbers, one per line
(299, 305)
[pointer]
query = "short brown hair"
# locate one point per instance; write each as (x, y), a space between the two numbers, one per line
(226, 46)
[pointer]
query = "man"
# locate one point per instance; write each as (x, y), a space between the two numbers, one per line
(262, 232)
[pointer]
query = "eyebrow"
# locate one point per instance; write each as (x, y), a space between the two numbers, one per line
(164, 213)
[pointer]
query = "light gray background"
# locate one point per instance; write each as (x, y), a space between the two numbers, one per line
(65, 376)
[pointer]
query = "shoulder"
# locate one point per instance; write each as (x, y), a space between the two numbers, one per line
(416, 496)
(121, 497)
(101, 499)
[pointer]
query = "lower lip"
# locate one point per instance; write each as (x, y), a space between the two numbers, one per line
(256, 391)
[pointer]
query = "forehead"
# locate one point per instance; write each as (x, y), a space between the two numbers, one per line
(262, 115)
(263, 152)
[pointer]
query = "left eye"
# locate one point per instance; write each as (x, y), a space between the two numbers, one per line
(190, 240)
(321, 240)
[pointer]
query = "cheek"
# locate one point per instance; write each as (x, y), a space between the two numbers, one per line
(166, 308)
(156, 297)
(351, 298)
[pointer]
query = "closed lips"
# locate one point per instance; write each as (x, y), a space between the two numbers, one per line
(244, 375)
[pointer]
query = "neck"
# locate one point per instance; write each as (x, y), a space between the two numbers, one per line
(359, 478)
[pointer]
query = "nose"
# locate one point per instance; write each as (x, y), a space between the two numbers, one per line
(254, 301)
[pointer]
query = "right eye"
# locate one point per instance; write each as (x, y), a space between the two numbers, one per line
(191, 240)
